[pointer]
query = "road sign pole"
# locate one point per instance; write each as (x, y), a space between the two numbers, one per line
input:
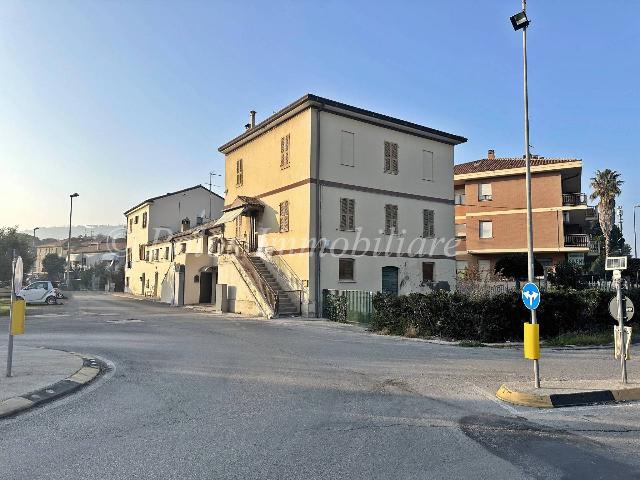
(534, 320)
(621, 314)
(10, 343)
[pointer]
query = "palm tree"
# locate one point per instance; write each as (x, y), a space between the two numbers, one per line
(605, 185)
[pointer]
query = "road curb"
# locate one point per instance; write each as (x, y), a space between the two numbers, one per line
(558, 400)
(91, 368)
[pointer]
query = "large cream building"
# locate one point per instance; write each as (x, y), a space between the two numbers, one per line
(152, 226)
(376, 190)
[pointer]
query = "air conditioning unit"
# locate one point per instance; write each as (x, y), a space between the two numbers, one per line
(615, 263)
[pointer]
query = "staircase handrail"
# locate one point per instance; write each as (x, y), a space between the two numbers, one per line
(284, 269)
(269, 294)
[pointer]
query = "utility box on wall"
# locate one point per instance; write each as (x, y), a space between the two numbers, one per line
(221, 298)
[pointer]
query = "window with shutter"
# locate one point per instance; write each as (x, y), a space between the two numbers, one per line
(144, 220)
(390, 157)
(239, 172)
(484, 191)
(347, 214)
(428, 223)
(284, 151)
(346, 269)
(238, 226)
(284, 216)
(390, 219)
(427, 271)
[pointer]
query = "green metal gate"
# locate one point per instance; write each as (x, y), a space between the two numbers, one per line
(359, 304)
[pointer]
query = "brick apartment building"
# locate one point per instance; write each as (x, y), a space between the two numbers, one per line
(490, 211)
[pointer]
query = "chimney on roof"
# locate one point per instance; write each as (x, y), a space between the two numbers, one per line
(186, 224)
(252, 118)
(491, 155)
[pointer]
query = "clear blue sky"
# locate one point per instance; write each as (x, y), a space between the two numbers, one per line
(121, 100)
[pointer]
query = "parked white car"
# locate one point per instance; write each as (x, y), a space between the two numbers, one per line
(39, 292)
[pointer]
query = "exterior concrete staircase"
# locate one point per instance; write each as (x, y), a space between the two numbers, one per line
(286, 306)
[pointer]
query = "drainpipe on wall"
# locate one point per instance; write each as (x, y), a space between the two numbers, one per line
(318, 217)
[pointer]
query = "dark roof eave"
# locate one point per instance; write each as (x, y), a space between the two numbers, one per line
(314, 101)
(151, 200)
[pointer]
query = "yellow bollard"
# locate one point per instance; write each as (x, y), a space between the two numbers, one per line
(532, 341)
(17, 317)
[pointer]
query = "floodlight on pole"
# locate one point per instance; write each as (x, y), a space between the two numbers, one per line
(521, 22)
(71, 197)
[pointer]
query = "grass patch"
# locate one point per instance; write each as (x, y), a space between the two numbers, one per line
(4, 306)
(584, 339)
(470, 343)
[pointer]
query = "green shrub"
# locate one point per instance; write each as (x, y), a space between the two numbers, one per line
(336, 307)
(492, 319)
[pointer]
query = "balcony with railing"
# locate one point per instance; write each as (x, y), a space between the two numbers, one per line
(574, 199)
(576, 240)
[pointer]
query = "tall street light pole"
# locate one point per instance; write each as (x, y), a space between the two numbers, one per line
(71, 197)
(521, 22)
(635, 237)
(34, 238)
(211, 174)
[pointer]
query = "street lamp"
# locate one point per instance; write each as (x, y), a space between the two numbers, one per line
(635, 240)
(521, 22)
(211, 174)
(71, 197)
(34, 237)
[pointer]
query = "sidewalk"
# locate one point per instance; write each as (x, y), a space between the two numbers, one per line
(569, 393)
(40, 375)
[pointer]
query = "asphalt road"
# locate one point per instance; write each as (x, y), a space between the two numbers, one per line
(193, 395)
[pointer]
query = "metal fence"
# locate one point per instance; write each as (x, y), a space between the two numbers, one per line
(359, 304)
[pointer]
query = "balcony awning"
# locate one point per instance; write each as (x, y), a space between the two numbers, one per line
(229, 216)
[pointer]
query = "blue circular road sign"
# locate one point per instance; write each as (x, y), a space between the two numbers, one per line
(531, 296)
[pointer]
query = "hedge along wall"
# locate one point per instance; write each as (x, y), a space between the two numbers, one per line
(494, 319)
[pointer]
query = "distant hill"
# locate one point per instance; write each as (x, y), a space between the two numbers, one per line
(59, 233)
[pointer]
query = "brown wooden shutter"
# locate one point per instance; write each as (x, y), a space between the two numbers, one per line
(427, 271)
(284, 216)
(344, 206)
(351, 214)
(428, 227)
(387, 156)
(346, 270)
(394, 158)
(390, 219)
(284, 151)
(239, 172)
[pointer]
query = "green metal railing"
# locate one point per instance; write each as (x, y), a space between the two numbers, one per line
(359, 304)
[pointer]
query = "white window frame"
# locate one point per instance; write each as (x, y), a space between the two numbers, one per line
(485, 192)
(483, 233)
(347, 148)
(428, 166)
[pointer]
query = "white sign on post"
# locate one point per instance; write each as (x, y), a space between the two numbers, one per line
(617, 344)
(17, 276)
